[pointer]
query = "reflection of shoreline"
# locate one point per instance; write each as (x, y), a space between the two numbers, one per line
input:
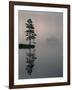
(30, 57)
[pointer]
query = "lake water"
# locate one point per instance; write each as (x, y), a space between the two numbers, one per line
(49, 62)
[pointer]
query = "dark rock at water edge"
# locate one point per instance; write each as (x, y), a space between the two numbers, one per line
(26, 46)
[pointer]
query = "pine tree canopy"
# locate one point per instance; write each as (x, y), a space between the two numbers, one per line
(30, 33)
(30, 26)
(29, 21)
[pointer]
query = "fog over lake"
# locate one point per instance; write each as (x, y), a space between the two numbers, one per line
(49, 44)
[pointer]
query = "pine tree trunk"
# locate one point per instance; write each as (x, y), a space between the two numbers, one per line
(29, 41)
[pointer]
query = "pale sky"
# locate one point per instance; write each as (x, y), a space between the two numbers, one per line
(47, 25)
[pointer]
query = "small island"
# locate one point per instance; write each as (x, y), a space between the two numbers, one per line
(26, 46)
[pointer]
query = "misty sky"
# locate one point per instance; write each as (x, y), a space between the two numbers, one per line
(47, 25)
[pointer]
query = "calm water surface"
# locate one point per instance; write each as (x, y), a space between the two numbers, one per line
(49, 62)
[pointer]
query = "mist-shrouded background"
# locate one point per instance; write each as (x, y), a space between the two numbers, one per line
(49, 43)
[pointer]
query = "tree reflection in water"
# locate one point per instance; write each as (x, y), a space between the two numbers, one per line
(30, 59)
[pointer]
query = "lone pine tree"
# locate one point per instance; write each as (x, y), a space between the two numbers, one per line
(30, 33)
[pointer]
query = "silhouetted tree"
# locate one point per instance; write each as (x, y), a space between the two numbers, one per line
(30, 33)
